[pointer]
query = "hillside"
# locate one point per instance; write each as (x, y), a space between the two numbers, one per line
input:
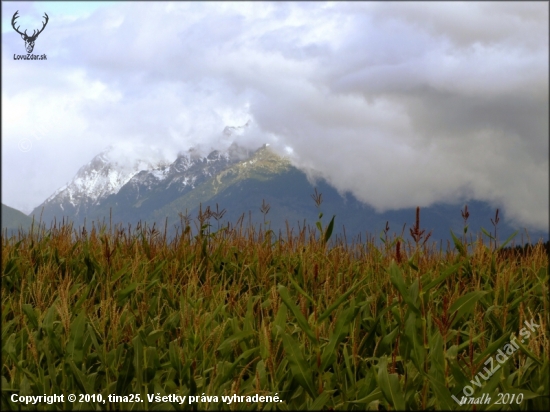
(244, 186)
(239, 182)
(13, 219)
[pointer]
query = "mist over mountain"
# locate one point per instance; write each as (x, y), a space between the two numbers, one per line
(236, 182)
(399, 103)
(103, 176)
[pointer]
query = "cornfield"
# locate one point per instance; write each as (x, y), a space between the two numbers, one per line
(235, 313)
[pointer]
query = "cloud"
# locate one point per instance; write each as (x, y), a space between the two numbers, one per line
(402, 104)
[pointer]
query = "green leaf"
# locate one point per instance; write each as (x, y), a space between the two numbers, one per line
(442, 394)
(237, 337)
(466, 303)
(280, 319)
(10, 265)
(321, 401)
(152, 284)
(458, 375)
(340, 331)
(488, 309)
(458, 244)
(330, 227)
(388, 340)
(508, 240)
(95, 342)
(466, 344)
(396, 278)
(123, 294)
(436, 374)
(229, 372)
(349, 368)
(299, 288)
(372, 332)
(48, 325)
(175, 359)
(262, 373)
(139, 361)
(51, 361)
(318, 224)
(418, 353)
(301, 371)
(126, 372)
(76, 340)
(448, 272)
(118, 274)
(528, 352)
(249, 319)
(414, 289)
(374, 396)
(154, 336)
(490, 386)
(338, 302)
(487, 234)
(491, 349)
(302, 322)
(437, 360)
(31, 314)
(389, 385)
(411, 264)
(85, 383)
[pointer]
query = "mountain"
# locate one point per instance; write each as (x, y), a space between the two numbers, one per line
(265, 177)
(103, 176)
(238, 182)
(150, 190)
(13, 220)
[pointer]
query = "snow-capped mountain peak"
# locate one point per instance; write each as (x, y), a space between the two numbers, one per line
(139, 175)
(102, 176)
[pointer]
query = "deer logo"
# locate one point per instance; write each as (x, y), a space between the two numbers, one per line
(29, 40)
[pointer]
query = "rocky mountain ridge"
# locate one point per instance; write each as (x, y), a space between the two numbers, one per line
(105, 183)
(238, 181)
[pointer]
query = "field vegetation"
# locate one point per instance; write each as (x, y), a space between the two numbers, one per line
(387, 322)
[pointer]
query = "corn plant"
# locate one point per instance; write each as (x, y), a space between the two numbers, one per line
(322, 323)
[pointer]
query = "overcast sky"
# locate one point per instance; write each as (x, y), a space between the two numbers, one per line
(403, 104)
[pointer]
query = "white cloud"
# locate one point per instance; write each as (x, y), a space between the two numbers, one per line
(402, 104)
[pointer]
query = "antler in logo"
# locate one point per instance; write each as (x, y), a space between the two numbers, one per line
(29, 40)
